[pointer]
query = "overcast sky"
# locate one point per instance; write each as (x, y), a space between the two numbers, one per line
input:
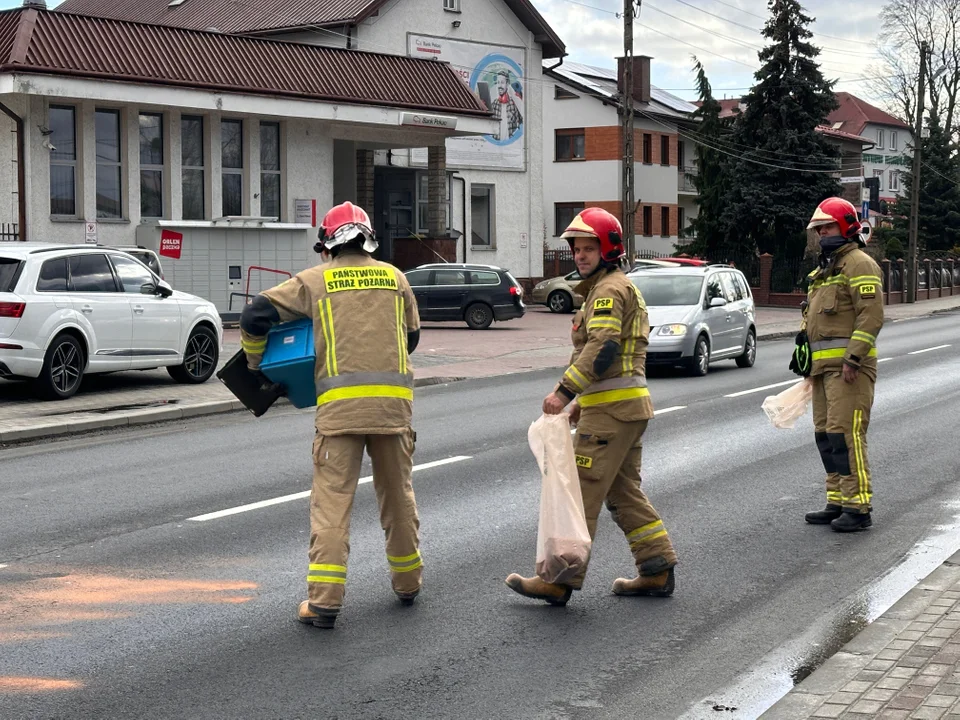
(724, 34)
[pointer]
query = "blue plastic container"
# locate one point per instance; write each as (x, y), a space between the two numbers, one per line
(291, 359)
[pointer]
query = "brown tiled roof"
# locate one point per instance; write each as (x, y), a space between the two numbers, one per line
(264, 16)
(52, 43)
(841, 135)
(855, 113)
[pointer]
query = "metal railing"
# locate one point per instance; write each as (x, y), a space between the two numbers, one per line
(684, 181)
(9, 232)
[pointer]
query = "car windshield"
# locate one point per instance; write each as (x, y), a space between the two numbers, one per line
(8, 270)
(661, 290)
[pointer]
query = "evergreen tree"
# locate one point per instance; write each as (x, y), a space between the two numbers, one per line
(706, 227)
(939, 206)
(771, 191)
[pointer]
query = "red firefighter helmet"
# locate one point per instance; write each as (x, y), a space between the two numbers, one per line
(344, 223)
(598, 223)
(839, 211)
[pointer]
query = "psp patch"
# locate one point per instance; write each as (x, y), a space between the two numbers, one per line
(359, 278)
(603, 304)
(584, 461)
(868, 291)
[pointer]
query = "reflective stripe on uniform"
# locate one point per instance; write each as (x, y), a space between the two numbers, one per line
(253, 347)
(866, 337)
(405, 563)
(576, 377)
(863, 482)
(605, 322)
(401, 341)
(363, 379)
(834, 497)
(837, 353)
(333, 574)
(646, 533)
(619, 383)
(353, 392)
(326, 324)
(612, 396)
(828, 344)
(865, 280)
(630, 346)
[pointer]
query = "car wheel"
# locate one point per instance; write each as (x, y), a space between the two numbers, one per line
(560, 302)
(479, 316)
(700, 362)
(199, 358)
(62, 369)
(749, 356)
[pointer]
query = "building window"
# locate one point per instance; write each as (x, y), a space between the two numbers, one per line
(664, 149)
(647, 148)
(423, 205)
(681, 223)
(571, 144)
(481, 216)
(270, 169)
(893, 140)
(561, 93)
(894, 180)
(647, 220)
(880, 139)
(231, 149)
(664, 222)
(109, 194)
(63, 160)
(879, 175)
(563, 215)
(151, 165)
(192, 174)
(680, 157)
(451, 5)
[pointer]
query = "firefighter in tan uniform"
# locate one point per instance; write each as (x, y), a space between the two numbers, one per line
(365, 323)
(837, 348)
(607, 378)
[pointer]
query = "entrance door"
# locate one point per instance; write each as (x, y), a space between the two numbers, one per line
(394, 207)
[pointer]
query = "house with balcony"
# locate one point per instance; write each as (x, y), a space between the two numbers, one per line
(582, 151)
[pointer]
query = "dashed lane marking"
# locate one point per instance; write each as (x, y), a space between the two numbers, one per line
(761, 389)
(926, 350)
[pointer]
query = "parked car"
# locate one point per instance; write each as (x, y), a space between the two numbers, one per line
(558, 293)
(147, 257)
(70, 310)
(698, 315)
(476, 294)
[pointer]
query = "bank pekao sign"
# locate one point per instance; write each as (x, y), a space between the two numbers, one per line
(495, 75)
(428, 121)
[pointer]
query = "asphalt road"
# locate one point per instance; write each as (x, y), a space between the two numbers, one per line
(115, 604)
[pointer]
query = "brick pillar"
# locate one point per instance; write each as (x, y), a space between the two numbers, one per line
(437, 190)
(762, 296)
(365, 180)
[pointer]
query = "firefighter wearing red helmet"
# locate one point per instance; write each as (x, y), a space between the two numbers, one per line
(843, 317)
(611, 406)
(365, 324)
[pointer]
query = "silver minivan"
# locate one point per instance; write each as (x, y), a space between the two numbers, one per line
(698, 315)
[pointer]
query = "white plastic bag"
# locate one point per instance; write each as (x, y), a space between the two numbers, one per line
(784, 409)
(563, 541)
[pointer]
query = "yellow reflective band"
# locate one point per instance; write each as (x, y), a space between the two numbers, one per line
(326, 324)
(834, 495)
(860, 279)
(404, 559)
(645, 528)
(401, 344)
(366, 391)
(576, 377)
(407, 569)
(837, 353)
(253, 347)
(603, 304)
(611, 396)
(648, 538)
(584, 461)
(326, 579)
(863, 482)
(359, 278)
(864, 337)
(331, 568)
(604, 323)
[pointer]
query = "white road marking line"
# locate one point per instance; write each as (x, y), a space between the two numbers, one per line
(666, 410)
(884, 359)
(761, 389)
(306, 493)
(2, 567)
(926, 350)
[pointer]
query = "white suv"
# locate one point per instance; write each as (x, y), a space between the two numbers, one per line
(69, 310)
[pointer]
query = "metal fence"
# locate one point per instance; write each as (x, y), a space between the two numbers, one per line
(790, 275)
(557, 262)
(9, 232)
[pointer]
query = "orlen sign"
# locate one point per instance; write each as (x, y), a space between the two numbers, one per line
(171, 243)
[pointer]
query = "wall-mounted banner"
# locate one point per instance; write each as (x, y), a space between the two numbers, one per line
(495, 75)
(171, 244)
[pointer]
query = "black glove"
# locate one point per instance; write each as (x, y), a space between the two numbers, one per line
(268, 385)
(802, 360)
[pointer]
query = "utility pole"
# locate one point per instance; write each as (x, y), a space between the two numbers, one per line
(626, 124)
(915, 190)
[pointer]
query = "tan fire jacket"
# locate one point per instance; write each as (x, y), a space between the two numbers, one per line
(610, 338)
(845, 312)
(361, 310)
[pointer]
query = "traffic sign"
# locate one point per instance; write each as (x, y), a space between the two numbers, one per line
(865, 210)
(90, 233)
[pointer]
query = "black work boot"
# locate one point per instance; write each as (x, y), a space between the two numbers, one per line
(407, 598)
(852, 521)
(824, 517)
(325, 618)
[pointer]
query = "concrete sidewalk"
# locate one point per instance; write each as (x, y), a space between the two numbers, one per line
(448, 352)
(906, 664)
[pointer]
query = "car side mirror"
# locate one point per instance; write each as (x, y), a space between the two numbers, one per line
(160, 288)
(718, 302)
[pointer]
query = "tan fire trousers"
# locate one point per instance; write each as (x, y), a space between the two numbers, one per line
(841, 416)
(608, 458)
(336, 471)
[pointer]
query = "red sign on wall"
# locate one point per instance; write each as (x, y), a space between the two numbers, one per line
(171, 243)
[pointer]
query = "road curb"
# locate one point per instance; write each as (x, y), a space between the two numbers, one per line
(841, 668)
